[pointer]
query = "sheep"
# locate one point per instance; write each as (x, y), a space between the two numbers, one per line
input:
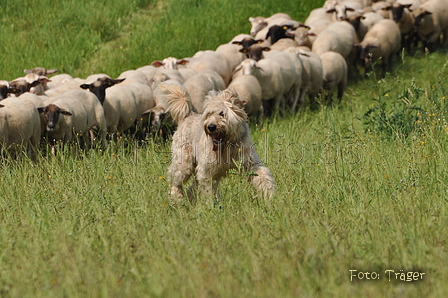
(431, 21)
(255, 52)
(144, 100)
(65, 86)
(58, 80)
(64, 118)
(92, 78)
(276, 32)
(120, 108)
(305, 35)
(334, 73)
(132, 76)
(383, 40)
(200, 84)
(381, 8)
(261, 24)
(246, 42)
(174, 74)
(280, 77)
(339, 11)
(249, 91)
(170, 63)
(338, 37)
(232, 54)
(318, 14)
(312, 75)
(363, 22)
(30, 83)
(148, 70)
(19, 126)
(212, 61)
(405, 20)
(284, 44)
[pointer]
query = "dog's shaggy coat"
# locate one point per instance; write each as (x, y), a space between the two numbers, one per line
(208, 145)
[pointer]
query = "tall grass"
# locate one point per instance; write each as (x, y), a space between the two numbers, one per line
(98, 223)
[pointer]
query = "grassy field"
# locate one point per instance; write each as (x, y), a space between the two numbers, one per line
(361, 185)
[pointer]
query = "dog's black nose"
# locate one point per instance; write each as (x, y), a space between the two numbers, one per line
(211, 127)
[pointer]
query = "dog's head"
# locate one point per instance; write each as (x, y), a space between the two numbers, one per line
(224, 118)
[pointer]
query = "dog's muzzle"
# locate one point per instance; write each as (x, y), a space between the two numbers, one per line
(218, 138)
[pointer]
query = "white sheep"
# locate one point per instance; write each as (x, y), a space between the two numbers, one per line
(316, 14)
(148, 70)
(363, 22)
(120, 108)
(334, 73)
(144, 99)
(64, 118)
(249, 91)
(280, 78)
(312, 74)
(132, 76)
(170, 63)
(19, 126)
(200, 84)
(214, 61)
(260, 25)
(431, 21)
(383, 40)
(232, 54)
(337, 37)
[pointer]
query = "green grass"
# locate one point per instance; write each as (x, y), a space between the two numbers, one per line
(350, 195)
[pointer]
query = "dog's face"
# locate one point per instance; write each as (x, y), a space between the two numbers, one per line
(223, 118)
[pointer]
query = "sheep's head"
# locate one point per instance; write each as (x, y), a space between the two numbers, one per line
(99, 87)
(51, 115)
(41, 71)
(255, 52)
(419, 15)
(20, 86)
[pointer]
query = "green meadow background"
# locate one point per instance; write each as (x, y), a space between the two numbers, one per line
(362, 185)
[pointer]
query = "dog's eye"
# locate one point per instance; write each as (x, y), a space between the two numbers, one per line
(221, 114)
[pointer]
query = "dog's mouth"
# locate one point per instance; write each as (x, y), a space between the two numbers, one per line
(218, 139)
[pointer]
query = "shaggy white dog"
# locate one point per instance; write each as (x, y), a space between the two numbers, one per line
(208, 145)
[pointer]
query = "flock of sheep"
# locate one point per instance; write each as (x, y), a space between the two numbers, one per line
(276, 67)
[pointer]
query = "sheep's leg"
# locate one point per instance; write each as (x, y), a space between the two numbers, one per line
(341, 87)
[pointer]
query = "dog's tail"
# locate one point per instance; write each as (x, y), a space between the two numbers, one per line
(178, 101)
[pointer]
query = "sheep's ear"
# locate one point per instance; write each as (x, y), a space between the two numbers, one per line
(84, 86)
(147, 112)
(41, 110)
(331, 10)
(407, 5)
(236, 42)
(266, 49)
(237, 68)
(243, 50)
(349, 9)
(363, 17)
(111, 82)
(259, 41)
(251, 19)
(157, 63)
(35, 83)
(27, 71)
(2, 106)
(183, 62)
(44, 79)
(386, 8)
(51, 71)
(64, 112)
